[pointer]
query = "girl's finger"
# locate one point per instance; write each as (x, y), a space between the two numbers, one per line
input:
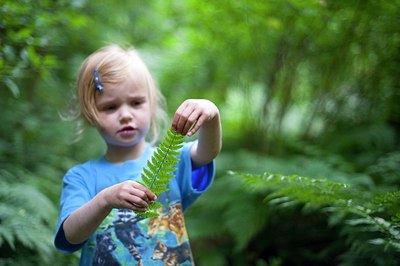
(138, 202)
(137, 208)
(198, 124)
(190, 121)
(183, 119)
(143, 192)
(178, 115)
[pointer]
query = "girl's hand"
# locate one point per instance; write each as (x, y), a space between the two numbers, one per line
(192, 114)
(128, 195)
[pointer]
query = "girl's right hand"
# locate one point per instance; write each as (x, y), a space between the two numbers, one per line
(128, 195)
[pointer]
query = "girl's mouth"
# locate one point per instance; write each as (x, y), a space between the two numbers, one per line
(127, 130)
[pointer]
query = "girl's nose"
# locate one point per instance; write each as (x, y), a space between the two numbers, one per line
(125, 114)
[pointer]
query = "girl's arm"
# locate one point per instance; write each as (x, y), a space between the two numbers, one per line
(82, 223)
(203, 116)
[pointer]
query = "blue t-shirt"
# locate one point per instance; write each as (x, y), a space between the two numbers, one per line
(123, 238)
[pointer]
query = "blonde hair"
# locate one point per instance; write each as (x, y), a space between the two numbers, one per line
(114, 64)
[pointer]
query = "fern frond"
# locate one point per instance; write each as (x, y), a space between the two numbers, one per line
(301, 188)
(377, 220)
(25, 215)
(157, 175)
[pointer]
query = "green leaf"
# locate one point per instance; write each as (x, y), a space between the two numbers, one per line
(12, 86)
(160, 168)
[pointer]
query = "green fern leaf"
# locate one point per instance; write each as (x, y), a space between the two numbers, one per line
(158, 172)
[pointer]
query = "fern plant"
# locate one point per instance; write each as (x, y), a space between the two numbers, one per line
(370, 222)
(160, 168)
(25, 216)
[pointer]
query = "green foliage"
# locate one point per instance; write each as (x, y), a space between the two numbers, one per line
(303, 189)
(376, 218)
(317, 63)
(314, 83)
(160, 169)
(25, 216)
(298, 219)
(385, 171)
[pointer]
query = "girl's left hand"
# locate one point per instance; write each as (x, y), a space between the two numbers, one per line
(192, 114)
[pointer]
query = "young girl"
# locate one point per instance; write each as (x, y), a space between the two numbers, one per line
(118, 97)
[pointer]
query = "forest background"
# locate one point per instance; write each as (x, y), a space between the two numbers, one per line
(309, 96)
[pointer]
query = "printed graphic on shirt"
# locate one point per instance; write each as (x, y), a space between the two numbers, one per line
(126, 239)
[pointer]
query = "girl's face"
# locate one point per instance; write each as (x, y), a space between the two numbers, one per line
(124, 113)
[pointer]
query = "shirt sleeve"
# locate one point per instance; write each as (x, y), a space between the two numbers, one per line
(193, 182)
(74, 194)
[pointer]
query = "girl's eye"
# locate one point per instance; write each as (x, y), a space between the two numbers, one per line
(109, 107)
(137, 102)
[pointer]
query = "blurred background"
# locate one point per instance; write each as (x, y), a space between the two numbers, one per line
(309, 96)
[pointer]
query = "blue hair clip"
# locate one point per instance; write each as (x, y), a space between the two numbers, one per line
(97, 81)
